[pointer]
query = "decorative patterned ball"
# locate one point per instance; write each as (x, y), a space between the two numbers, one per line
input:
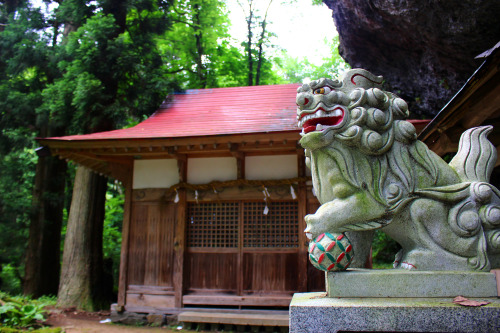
(331, 252)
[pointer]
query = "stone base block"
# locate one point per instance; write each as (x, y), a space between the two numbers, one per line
(402, 283)
(314, 312)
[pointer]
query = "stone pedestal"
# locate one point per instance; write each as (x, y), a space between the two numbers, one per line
(398, 301)
(357, 282)
(314, 312)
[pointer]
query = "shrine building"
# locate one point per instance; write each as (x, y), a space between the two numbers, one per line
(216, 194)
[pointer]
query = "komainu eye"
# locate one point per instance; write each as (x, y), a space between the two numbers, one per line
(322, 91)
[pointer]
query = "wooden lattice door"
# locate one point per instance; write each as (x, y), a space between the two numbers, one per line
(233, 248)
(270, 248)
(212, 247)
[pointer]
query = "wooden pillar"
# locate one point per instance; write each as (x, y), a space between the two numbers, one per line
(240, 160)
(303, 243)
(240, 164)
(127, 213)
(180, 234)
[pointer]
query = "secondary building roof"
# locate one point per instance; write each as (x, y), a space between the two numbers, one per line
(477, 103)
(200, 122)
(217, 111)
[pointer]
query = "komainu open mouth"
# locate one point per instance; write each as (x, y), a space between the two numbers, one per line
(321, 119)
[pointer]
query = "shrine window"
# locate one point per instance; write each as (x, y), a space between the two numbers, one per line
(213, 224)
(225, 224)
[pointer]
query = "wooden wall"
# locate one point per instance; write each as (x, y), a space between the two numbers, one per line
(151, 257)
(234, 254)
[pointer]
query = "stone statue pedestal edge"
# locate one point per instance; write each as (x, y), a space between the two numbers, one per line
(401, 283)
(314, 312)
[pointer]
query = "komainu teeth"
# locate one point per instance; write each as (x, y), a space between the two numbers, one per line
(407, 266)
(337, 113)
(319, 127)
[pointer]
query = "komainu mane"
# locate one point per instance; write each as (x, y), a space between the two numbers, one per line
(370, 172)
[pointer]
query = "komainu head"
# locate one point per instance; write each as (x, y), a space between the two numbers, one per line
(355, 111)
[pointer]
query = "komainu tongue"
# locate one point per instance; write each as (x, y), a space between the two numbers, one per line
(310, 125)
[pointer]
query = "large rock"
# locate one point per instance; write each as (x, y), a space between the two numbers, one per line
(425, 50)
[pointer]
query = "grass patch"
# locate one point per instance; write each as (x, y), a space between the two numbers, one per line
(19, 312)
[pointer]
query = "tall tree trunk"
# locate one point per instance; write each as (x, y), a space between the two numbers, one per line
(81, 282)
(43, 254)
(259, 56)
(260, 43)
(249, 45)
(200, 51)
(42, 264)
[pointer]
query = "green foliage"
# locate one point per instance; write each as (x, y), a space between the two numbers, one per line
(384, 250)
(191, 47)
(110, 75)
(9, 277)
(40, 330)
(17, 311)
(17, 170)
(198, 52)
(300, 70)
(112, 232)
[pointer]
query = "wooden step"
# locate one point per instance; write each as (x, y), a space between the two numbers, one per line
(269, 300)
(261, 319)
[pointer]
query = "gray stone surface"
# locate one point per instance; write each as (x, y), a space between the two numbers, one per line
(156, 319)
(128, 318)
(424, 49)
(402, 283)
(314, 312)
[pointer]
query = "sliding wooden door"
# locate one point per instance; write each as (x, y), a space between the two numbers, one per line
(236, 253)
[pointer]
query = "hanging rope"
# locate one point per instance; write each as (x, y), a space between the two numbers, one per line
(213, 186)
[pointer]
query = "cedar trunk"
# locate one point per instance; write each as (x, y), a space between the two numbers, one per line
(82, 284)
(43, 253)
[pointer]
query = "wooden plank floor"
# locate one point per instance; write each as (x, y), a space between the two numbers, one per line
(231, 318)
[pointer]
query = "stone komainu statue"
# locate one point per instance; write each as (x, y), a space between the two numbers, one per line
(370, 172)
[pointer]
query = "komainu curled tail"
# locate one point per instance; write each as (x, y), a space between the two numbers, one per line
(474, 162)
(476, 156)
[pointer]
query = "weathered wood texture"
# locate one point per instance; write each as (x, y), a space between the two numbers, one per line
(211, 272)
(124, 253)
(234, 254)
(180, 234)
(261, 319)
(110, 157)
(151, 244)
(302, 211)
(234, 248)
(151, 301)
(231, 300)
(315, 277)
(270, 273)
(281, 192)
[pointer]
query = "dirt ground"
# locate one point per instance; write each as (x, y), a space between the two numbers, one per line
(72, 321)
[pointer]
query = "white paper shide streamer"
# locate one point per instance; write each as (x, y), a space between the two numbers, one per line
(266, 195)
(292, 192)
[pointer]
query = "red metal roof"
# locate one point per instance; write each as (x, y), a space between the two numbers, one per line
(217, 111)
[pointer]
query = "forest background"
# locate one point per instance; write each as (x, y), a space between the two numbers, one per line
(75, 67)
